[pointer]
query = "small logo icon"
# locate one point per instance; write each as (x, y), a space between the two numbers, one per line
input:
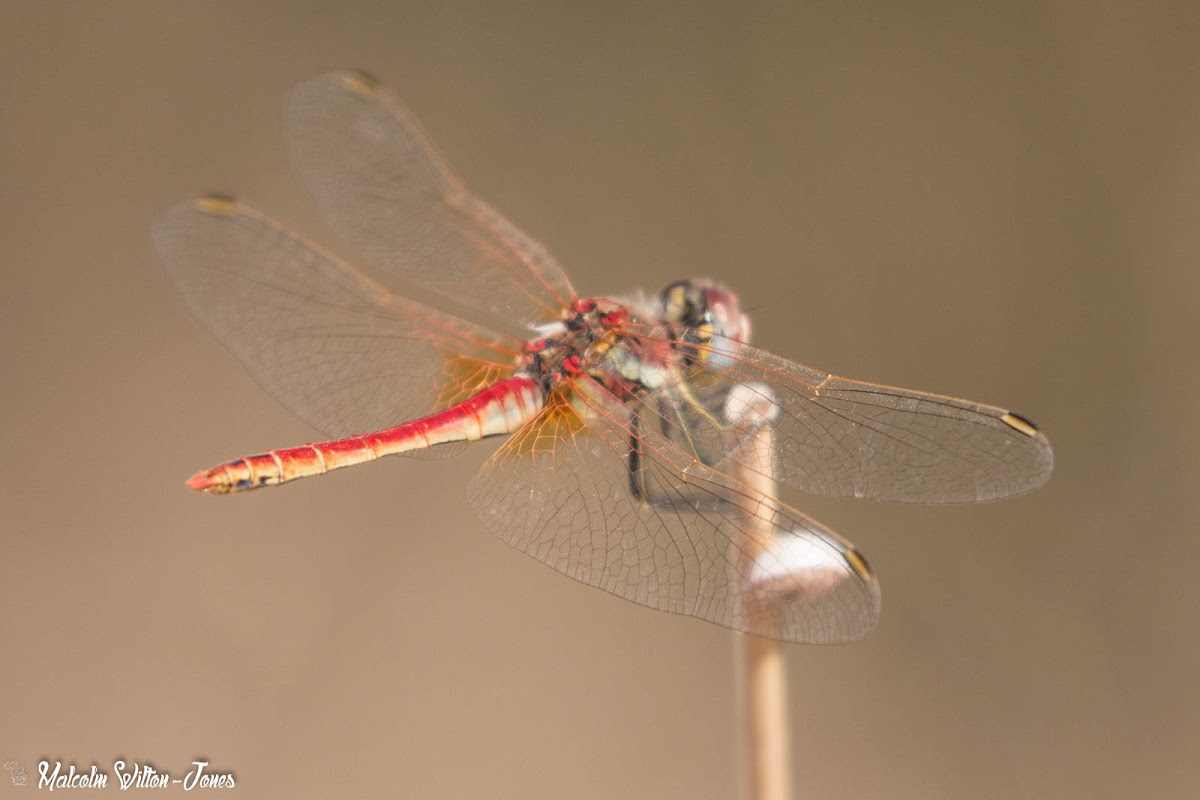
(15, 772)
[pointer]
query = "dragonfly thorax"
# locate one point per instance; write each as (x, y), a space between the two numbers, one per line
(594, 338)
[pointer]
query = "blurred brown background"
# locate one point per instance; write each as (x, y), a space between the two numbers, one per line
(998, 203)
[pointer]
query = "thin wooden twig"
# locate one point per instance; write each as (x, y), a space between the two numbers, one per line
(759, 665)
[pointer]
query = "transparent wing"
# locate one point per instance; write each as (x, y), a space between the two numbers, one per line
(381, 185)
(587, 489)
(335, 347)
(848, 438)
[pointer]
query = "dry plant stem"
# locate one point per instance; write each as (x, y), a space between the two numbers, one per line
(760, 677)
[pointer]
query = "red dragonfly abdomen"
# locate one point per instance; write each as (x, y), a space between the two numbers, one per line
(501, 408)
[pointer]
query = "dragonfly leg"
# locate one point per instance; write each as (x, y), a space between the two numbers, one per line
(747, 409)
(637, 466)
(689, 397)
(675, 426)
(641, 486)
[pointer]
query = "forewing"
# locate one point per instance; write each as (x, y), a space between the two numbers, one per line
(848, 438)
(338, 349)
(681, 537)
(381, 185)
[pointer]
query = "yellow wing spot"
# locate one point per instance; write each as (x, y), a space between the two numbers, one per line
(221, 204)
(466, 376)
(1019, 423)
(859, 564)
(360, 82)
(558, 421)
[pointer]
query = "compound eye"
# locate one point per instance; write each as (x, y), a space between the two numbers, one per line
(681, 303)
(725, 315)
(674, 302)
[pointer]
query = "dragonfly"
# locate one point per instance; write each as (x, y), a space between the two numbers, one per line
(645, 434)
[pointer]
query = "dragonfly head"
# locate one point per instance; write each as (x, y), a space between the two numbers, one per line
(704, 311)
